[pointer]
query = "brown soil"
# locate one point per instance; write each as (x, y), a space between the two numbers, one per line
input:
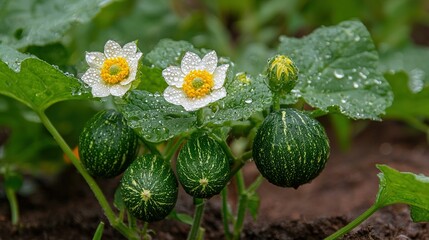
(64, 207)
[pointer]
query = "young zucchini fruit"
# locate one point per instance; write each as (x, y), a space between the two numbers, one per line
(149, 188)
(290, 148)
(202, 167)
(107, 145)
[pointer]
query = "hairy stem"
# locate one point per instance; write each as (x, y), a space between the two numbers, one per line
(354, 223)
(115, 222)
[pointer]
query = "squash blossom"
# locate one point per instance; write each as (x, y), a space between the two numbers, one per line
(197, 82)
(112, 72)
(282, 74)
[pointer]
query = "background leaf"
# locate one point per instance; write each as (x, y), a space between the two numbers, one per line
(405, 98)
(37, 84)
(338, 71)
(31, 22)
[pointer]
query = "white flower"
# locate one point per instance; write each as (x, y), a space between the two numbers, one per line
(112, 72)
(197, 82)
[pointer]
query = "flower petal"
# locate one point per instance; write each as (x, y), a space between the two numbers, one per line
(119, 90)
(174, 95)
(209, 62)
(100, 90)
(113, 49)
(130, 49)
(219, 76)
(217, 94)
(95, 59)
(190, 61)
(173, 76)
(91, 77)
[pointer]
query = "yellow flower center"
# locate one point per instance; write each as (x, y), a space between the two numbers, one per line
(198, 83)
(114, 70)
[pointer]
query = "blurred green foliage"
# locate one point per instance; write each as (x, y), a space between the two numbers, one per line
(247, 31)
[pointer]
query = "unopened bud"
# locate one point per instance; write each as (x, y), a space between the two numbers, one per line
(282, 74)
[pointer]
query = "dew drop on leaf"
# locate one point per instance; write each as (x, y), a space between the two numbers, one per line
(338, 73)
(248, 101)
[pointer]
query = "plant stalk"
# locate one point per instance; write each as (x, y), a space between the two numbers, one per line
(198, 215)
(13, 202)
(225, 213)
(242, 205)
(276, 101)
(354, 223)
(115, 222)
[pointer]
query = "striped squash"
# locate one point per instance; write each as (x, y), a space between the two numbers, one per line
(290, 148)
(149, 188)
(107, 145)
(202, 167)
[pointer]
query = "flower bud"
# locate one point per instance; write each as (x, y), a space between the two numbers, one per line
(282, 74)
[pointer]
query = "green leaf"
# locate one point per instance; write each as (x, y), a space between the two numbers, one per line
(169, 53)
(403, 187)
(419, 214)
(245, 96)
(181, 217)
(117, 200)
(404, 98)
(33, 22)
(338, 71)
(153, 118)
(36, 83)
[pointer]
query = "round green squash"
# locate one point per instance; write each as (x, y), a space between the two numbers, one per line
(290, 148)
(149, 188)
(202, 167)
(107, 145)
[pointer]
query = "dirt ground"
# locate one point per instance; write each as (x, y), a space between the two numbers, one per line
(64, 208)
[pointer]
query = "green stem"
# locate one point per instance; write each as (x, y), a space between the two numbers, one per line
(354, 223)
(225, 213)
(239, 162)
(242, 205)
(198, 215)
(99, 232)
(173, 149)
(200, 117)
(144, 231)
(276, 101)
(14, 208)
(115, 222)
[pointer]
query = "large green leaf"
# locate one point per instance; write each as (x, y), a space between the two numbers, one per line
(245, 96)
(403, 187)
(39, 22)
(153, 118)
(36, 83)
(338, 71)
